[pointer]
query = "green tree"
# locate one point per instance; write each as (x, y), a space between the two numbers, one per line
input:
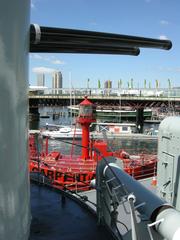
(88, 80)
(119, 83)
(99, 83)
(109, 83)
(132, 83)
(145, 83)
(149, 84)
(169, 83)
(157, 84)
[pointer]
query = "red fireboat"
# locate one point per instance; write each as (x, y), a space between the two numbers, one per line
(72, 172)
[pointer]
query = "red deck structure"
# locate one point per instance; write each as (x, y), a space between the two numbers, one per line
(76, 172)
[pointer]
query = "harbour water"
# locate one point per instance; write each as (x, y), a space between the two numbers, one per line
(131, 145)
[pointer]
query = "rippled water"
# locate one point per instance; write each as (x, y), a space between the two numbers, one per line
(132, 146)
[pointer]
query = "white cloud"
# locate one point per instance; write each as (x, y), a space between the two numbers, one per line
(169, 69)
(57, 62)
(37, 56)
(163, 37)
(44, 70)
(51, 59)
(32, 4)
(164, 22)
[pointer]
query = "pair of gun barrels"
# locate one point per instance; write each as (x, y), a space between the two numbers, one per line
(61, 40)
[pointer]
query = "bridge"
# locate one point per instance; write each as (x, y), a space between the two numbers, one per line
(113, 99)
(135, 98)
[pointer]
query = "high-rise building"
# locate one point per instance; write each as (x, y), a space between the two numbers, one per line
(57, 82)
(40, 79)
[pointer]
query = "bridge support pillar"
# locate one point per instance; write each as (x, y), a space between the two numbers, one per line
(34, 110)
(34, 113)
(140, 119)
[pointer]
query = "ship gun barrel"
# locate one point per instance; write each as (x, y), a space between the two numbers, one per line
(49, 39)
(150, 205)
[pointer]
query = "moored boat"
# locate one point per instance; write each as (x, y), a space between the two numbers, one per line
(112, 130)
(67, 132)
(75, 172)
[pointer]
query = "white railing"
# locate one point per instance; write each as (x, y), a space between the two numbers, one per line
(163, 92)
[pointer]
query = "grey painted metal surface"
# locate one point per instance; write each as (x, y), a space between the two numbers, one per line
(142, 194)
(115, 188)
(124, 218)
(14, 186)
(169, 227)
(169, 161)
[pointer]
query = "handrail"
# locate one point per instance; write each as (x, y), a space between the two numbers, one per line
(153, 207)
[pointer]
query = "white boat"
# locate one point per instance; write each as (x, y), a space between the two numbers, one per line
(114, 128)
(117, 130)
(111, 130)
(67, 132)
(98, 130)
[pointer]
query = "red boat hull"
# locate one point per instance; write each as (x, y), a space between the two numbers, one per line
(75, 173)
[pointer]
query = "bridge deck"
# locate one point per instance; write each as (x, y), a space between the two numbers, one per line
(131, 101)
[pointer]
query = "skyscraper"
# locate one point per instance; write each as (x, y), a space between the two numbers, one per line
(40, 79)
(57, 81)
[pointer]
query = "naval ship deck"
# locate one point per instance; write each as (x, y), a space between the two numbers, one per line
(55, 216)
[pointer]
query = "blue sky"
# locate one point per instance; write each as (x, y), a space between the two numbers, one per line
(147, 18)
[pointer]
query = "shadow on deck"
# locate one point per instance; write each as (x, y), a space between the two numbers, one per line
(56, 218)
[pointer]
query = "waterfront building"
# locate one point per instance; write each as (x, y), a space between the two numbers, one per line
(57, 82)
(40, 79)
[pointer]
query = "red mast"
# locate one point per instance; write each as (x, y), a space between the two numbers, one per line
(85, 118)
